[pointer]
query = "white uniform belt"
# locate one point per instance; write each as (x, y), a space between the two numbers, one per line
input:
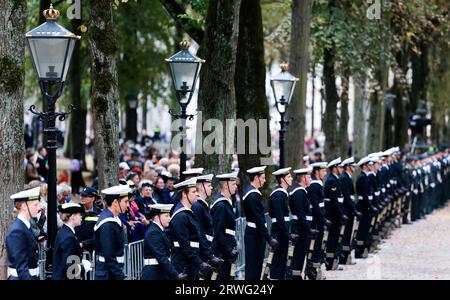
(253, 225)
(119, 259)
(352, 197)
(388, 185)
(383, 190)
(150, 262)
(370, 197)
(327, 199)
(209, 237)
(13, 272)
(308, 218)
(377, 193)
(341, 199)
(192, 244)
(274, 220)
(322, 204)
(230, 232)
(360, 197)
(391, 181)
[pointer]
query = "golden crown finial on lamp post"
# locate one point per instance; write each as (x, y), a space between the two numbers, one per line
(184, 44)
(284, 66)
(51, 13)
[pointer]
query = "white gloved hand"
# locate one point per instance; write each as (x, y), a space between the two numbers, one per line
(86, 264)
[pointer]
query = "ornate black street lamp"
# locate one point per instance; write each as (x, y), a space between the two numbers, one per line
(51, 47)
(283, 85)
(184, 69)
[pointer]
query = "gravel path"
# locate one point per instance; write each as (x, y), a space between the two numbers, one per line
(418, 251)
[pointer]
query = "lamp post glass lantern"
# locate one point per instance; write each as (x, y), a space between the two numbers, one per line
(51, 47)
(184, 69)
(283, 85)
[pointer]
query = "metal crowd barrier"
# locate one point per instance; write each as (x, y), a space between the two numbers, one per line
(134, 260)
(41, 261)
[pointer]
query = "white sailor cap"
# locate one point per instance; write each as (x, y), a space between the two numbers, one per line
(145, 183)
(130, 184)
(117, 191)
(227, 176)
(205, 178)
(194, 171)
(124, 165)
(374, 158)
(363, 161)
(160, 208)
(257, 170)
(71, 208)
(303, 171)
(348, 161)
(319, 165)
(27, 195)
(306, 158)
(334, 163)
(282, 172)
(186, 184)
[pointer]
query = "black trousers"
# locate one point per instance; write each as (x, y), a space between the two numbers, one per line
(317, 254)
(255, 246)
(300, 250)
(224, 271)
(332, 242)
(346, 239)
(363, 232)
(279, 260)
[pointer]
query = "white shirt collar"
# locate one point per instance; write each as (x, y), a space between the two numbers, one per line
(25, 221)
(160, 227)
(73, 230)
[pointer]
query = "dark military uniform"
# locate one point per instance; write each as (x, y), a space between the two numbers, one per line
(66, 245)
(109, 245)
(256, 233)
(364, 206)
(279, 213)
(185, 237)
(205, 224)
(224, 233)
(348, 192)
(317, 199)
(23, 252)
(333, 206)
(85, 232)
(300, 224)
(157, 265)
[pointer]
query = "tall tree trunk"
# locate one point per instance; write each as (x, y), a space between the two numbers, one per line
(359, 120)
(420, 72)
(144, 113)
(374, 125)
(251, 103)
(105, 97)
(343, 120)
(76, 137)
(12, 73)
(400, 117)
(219, 49)
(331, 97)
(298, 66)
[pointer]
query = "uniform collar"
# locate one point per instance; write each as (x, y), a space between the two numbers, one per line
(219, 197)
(160, 227)
(25, 221)
(201, 199)
(73, 230)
